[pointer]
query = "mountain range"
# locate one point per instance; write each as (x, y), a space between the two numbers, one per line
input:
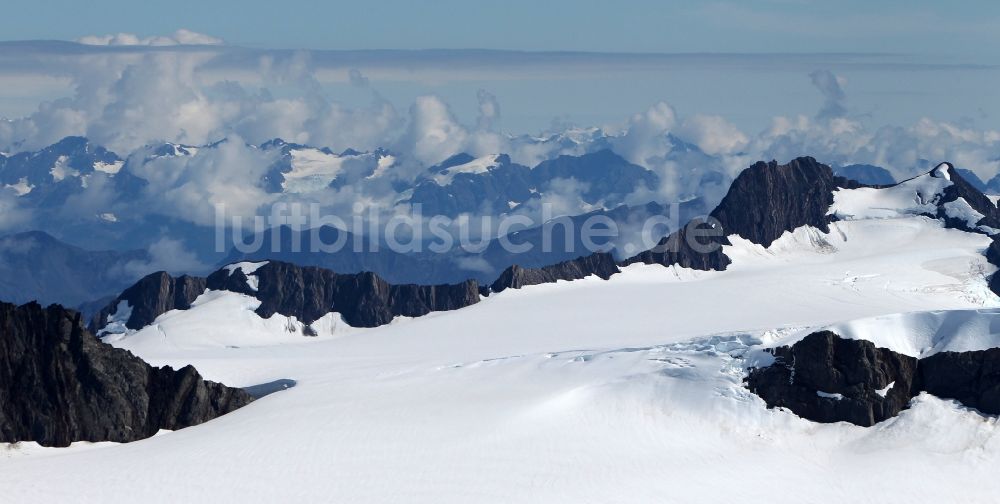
(807, 317)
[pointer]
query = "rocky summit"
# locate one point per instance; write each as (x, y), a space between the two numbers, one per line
(60, 384)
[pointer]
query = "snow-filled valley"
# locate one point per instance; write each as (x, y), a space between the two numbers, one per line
(625, 390)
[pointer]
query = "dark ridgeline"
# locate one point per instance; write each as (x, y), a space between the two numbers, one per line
(600, 264)
(363, 299)
(765, 201)
(960, 188)
(152, 296)
(60, 384)
(858, 371)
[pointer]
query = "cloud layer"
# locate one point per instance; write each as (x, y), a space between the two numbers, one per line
(126, 100)
(180, 37)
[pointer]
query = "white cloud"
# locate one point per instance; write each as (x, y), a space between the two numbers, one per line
(713, 134)
(125, 100)
(165, 254)
(12, 214)
(179, 37)
(434, 134)
(489, 110)
(832, 88)
(645, 135)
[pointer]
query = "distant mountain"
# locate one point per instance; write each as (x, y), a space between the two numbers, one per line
(493, 185)
(72, 158)
(299, 169)
(973, 179)
(866, 174)
(36, 266)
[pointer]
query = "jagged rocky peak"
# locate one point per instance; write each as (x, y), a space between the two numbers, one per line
(768, 199)
(765, 201)
(698, 246)
(150, 297)
(941, 193)
(311, 293)
(963, 206)
(600, 264)
(363, 299)
(60, 384)
(826, 378)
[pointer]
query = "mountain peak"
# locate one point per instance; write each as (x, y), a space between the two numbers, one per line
(768, 199)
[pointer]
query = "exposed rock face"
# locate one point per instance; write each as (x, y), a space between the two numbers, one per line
(363, 300)
(59, 384)
(600, 264)
(763, 202)
(151, 297)
(308, 293)
(993, 256)
(768, 199)
(961, 188)
(825, 378)
(972, 378)
(689, 248)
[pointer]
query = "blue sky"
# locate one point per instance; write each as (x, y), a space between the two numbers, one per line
(899, 71)
(963, 30)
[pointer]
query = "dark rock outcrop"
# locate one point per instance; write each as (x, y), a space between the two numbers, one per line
(960, 188)
(972, 378)
(60, 384)
(152, 296)
(601, 264)
(697, 246)
(768, 199)
(765, 201)
(993, 256)
(825, 378)
(363, 300)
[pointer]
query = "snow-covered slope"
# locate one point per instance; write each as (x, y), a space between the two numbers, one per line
(478, 165)
(923, 195)
(621, 390)
(626, 390)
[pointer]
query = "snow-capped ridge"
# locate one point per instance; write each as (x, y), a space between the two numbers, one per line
(921, 334)
(940, 193)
